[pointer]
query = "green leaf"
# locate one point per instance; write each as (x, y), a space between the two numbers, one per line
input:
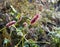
(13, 9)
(6, 41)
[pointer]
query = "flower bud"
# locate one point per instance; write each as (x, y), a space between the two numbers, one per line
(10, 23)
(25, 24)
(35, 18)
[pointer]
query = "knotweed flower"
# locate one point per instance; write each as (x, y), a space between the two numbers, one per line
(10, 23)
(25, 24)
(35, 18)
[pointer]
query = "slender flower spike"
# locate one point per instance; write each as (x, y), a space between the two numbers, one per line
(10, 23)
(35, 18)
(25, 24)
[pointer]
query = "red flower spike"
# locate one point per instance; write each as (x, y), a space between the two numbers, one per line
(35, 18)
(25, 24)
(10, 23)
